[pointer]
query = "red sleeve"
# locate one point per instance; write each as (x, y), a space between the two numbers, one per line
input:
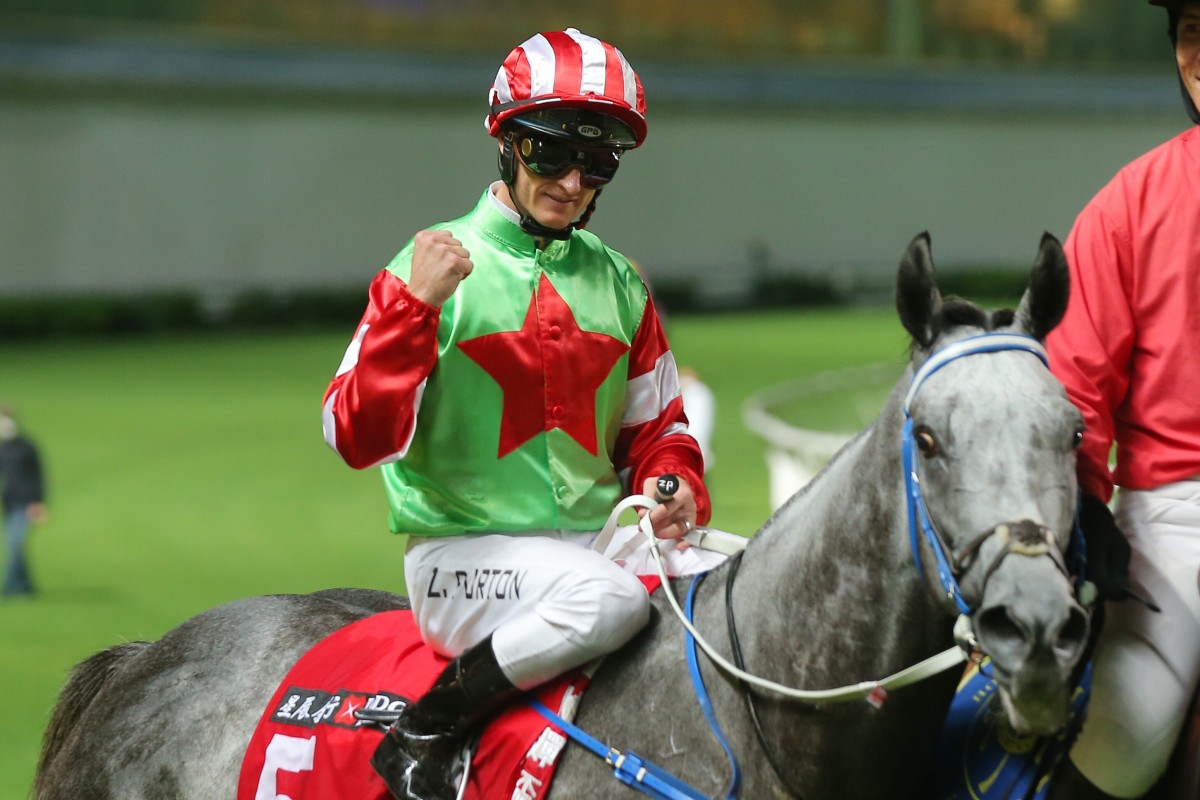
(370, 408)
(654, 439)
(1090, 349)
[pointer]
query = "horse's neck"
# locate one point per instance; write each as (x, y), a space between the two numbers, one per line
(835, 565)
(827, 596)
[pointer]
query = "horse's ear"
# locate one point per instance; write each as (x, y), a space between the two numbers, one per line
(917, 297)
(1045, 301)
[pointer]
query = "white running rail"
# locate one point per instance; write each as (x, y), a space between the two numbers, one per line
(794, 455)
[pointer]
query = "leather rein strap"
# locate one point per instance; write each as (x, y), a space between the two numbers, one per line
(735, 562)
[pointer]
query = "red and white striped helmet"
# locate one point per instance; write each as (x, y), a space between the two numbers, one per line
(567, 70)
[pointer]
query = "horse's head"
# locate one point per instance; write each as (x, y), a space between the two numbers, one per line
(990, 440)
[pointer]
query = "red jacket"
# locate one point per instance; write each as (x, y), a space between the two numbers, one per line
(1128, 350)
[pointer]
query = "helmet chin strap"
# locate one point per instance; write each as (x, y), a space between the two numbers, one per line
(536, 229)
(539, 231)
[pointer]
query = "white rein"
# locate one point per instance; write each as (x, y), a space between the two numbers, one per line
(918, 672)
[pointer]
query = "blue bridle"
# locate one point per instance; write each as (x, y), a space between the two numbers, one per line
(656, 782)
(918, 514)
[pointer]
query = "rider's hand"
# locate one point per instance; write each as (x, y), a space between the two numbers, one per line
(675, 516)
(439, 263)
(1107, 551)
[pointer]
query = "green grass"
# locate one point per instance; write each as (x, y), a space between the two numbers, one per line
(188, 472)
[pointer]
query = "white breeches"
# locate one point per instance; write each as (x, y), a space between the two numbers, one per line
(1146, 664)
(549, 602)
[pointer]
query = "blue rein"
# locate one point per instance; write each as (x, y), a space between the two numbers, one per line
(735, 782)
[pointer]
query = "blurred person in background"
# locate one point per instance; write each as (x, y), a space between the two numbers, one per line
(1127, 352)
(512, 377)
(23, 499)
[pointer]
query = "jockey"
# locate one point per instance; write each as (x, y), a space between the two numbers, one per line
(511, 377)
(1127, 351)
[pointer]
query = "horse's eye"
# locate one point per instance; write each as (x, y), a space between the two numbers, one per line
(925, 442)
(1078, 437)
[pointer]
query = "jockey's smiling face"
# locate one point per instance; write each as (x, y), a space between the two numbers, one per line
(1187, 49)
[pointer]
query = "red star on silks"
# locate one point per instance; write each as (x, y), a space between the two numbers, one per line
(549, 372)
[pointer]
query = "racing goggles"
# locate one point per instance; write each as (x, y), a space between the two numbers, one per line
(552, 157)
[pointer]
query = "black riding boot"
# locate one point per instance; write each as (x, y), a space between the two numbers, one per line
(1069, 784)
(418, 756)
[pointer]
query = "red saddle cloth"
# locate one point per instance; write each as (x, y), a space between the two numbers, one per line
(309, 745)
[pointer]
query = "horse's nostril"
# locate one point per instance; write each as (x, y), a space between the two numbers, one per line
(1072, 636)
(1009, 639)
(1001, 634)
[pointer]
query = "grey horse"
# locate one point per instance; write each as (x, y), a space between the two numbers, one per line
(826, 594)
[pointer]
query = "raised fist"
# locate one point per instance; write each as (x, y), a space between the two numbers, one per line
(439, 263)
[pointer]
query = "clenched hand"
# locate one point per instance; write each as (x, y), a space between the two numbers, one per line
(439, 264)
